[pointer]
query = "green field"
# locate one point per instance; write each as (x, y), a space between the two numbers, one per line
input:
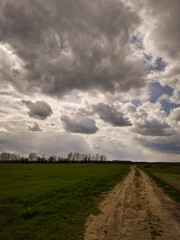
(52, 201)
(168, 179)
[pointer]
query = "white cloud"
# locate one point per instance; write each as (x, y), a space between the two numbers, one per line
(3, 131)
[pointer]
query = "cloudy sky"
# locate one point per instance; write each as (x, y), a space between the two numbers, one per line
(99, 76)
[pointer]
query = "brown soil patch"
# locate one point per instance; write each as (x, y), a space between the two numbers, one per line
(136, 209)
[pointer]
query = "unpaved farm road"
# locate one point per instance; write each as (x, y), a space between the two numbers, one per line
(136, 209)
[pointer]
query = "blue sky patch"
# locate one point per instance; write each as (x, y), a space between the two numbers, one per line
(137, 41)
(159, 65)
(136, 102)
(167, 106)
(156, 90)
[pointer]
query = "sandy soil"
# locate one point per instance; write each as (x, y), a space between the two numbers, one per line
(136, 209)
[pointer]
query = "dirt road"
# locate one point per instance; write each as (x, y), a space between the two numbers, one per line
(136, 209)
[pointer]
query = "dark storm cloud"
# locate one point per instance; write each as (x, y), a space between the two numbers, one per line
(35, 127)
(68, 45)
(109, 114)
(79, 124)
(168, 146)
(153, 127)
(40, 109)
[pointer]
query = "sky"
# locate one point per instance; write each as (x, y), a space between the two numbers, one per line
(99, 76)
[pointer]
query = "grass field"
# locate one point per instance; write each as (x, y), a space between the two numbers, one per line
(168, 179)
(52, 201)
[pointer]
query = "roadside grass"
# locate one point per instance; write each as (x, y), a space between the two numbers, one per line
(168, 189)
(52, 201)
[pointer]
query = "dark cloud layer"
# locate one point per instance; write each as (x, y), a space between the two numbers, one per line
(39, 110)
(79, 124)
(153, 127)
(109, 114)
(161, 145)
(68, 45)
